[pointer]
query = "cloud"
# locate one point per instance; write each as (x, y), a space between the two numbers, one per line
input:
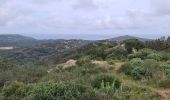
(86, 5)
(86, 15)
(161, 7)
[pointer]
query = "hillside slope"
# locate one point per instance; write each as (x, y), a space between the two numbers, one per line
(126, 37)
(16, 40)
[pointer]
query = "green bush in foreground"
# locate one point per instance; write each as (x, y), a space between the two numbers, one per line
(48, 91)
(61, 91)
(15, 91)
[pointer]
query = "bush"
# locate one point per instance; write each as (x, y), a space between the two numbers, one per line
(126, 68)
(133, 44)
(137, 73)
(152, 65)
(16, 90)
(58, 91)
(90, 94)
(6, 65)
(136, 62)
(165, 56)
(89, 68)
(143, 53)
(111, 62)
(48, 91)
(117, 84)
(139, 69)
(118, 54)
(164, 83)
(167, 69)
(106, 78)
(155, 56)
(83, 60)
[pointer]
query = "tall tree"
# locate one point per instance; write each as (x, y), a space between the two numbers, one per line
(133, 44)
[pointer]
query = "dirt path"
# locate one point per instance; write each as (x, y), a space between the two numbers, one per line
(165, 93)
(118, 65)
(104, 64)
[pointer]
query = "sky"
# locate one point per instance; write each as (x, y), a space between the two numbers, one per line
(144, 18)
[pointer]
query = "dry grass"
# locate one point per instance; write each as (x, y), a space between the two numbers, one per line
(69, 64)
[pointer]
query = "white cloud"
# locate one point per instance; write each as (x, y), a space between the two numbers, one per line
(85, 5)
(161, 6)
(38, 16)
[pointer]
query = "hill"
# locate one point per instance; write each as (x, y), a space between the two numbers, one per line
(126, 37)
(16, 40)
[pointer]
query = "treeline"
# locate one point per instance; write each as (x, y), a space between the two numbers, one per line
(158, 44)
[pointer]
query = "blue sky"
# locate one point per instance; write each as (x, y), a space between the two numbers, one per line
(145, 18)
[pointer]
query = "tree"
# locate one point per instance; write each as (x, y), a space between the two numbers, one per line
(168, 40)
(157, 44)
(133, 44)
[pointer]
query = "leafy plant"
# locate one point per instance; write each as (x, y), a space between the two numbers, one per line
(106, 78)
(137, 73)
(155, 56)
(83, 60)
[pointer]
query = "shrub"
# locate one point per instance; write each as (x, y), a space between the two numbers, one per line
(89, 68)
(164, 83)
(30, 74)
(16, 89)
(165, 56)
(83, 61)
(58, 91)
(117, 84)
(133, 43)
(106, 78)
(143, 53)
(167, 69)
(6, 65)
(139, 69)
(154, 56)
(136, 62)
(111, 62)
(126, 68)
(90, 94)
(118, 54)
(137, 73)
(152, 65)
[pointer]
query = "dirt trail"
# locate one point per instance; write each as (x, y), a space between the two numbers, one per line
(165, 93)
(104, 64)
(118, 65)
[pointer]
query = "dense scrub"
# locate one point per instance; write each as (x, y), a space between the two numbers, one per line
(131, 72)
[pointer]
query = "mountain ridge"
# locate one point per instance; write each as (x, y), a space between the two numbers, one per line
(121, 37)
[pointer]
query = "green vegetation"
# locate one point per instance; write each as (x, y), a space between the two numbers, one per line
(103, 70)
(96, 83)
(133, 44)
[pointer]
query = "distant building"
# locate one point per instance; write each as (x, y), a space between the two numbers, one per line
(6, 48)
